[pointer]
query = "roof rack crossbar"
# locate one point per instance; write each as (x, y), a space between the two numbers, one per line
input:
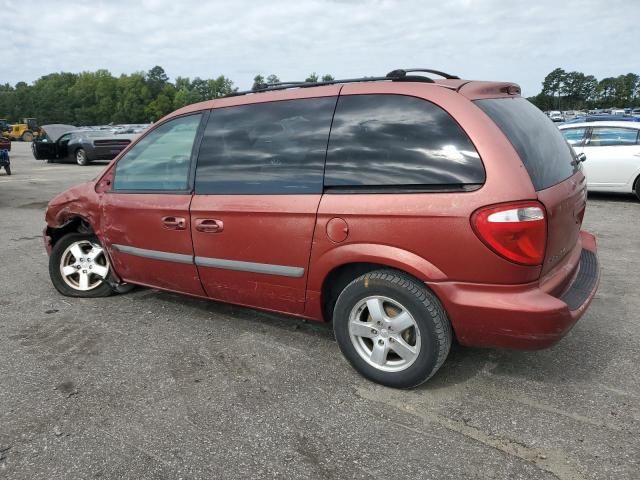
(402, 72)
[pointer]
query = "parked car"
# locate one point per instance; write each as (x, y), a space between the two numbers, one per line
(556, 116)
(434, 209)
(5, 144)
(81, 146)
(569, 115)
(604, 117)
(612, 151)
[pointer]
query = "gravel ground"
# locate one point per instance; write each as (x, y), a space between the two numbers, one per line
(155, 385)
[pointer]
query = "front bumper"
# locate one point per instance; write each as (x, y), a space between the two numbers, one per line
(47, 240)
(520, 316)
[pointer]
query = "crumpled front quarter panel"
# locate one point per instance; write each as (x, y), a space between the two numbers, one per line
(78, 201)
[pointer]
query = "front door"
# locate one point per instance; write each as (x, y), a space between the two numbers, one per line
(44, 150)
(257, 190)
(145, 215)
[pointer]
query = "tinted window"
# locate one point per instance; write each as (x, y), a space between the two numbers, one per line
(395, 140)
(266, 148)
(609, 136)
(575, 136)
(540, 145)
(160, 161)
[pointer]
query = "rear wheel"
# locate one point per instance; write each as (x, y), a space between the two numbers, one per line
(8, 169)
(392, 329)
(79, 267)
(636, 189)
(81, 157)
(27, 136)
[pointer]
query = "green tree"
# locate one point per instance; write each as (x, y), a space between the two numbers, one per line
(313, 78)
(156, 79)
(553, 83)
(273, 78)
(258, 82)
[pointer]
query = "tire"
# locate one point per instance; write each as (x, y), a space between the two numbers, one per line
(76, 250)
(27, 136)
(423, 336)
(636, 188)
(8, 169)
(81, 157)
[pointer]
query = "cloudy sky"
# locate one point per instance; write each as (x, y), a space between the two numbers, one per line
(516, 40)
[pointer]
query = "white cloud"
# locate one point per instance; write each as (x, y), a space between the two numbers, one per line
(491, 40)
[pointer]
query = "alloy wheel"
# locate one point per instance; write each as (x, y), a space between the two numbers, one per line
(84, 266)
(384, 333)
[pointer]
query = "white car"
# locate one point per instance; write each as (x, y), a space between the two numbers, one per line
(556, 116)
(612, 150)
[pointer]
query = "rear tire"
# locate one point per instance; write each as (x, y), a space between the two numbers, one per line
(8, 169)
(392, 329)
(636, 189)
(81, 157)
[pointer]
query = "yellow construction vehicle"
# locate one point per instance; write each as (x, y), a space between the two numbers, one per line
(26, 131)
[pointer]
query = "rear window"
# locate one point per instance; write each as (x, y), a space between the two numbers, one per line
(396, 142)
(543, 150)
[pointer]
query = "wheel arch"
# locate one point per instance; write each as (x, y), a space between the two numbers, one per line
(337, 268)
(73, 224)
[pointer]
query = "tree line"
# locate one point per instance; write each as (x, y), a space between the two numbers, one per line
(96, 98)
(563, 90)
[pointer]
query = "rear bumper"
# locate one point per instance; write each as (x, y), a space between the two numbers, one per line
(520, 316)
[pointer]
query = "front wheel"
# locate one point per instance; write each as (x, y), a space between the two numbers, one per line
(8, 169)
(637, 188)
(27, 136)
(392, 329)
(81, 157)
(79, 267)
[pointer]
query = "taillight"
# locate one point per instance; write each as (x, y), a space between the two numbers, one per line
(515, 231)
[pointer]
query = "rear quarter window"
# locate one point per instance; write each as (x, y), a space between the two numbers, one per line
(396, 142)
(543, 150)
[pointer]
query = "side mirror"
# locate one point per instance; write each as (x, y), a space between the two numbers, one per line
(581, 157)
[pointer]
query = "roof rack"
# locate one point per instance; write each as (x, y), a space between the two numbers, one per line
(402, 73)
(399, 75)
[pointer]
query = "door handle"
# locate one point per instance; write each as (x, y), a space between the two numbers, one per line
(209, 225)
(174, 223)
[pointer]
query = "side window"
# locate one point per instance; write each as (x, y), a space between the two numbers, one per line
(612, 136)
(160, 161)
(265, 148)
(394, 140)
(575, 136)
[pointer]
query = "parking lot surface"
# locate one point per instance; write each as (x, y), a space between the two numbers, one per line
(156, 385)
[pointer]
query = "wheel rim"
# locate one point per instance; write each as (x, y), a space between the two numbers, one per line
(84, 266)
(81, 157)
(384, 333)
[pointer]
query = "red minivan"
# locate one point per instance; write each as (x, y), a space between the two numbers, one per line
(407, 211)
